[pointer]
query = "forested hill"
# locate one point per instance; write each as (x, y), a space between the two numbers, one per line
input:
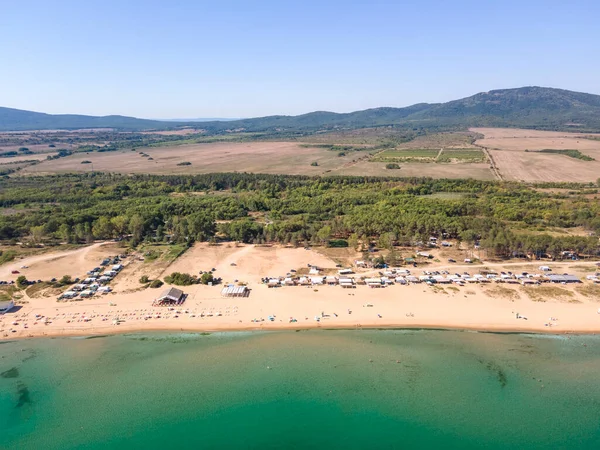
(527, 107)
(18, 120)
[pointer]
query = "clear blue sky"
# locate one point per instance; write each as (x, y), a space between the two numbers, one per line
(224, 58)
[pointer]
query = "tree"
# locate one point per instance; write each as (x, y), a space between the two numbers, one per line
(103, 228)
(353, 241)
(387, 240)
(136, 228)
(324, 233)
(65, 233)
(120, 224)
(156, 284)
(37, 234)
(144, 279)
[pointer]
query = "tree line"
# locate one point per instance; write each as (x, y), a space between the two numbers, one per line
(505, 217)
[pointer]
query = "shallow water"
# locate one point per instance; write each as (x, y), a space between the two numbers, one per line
(317, 389)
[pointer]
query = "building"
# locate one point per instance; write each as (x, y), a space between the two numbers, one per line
(235, 291)
(347, 283)
(331, 280)
(566, 278)
(273, 282)
(170, 296)
(6, 306)
(345, 271)
(374, 282)
(316, 280)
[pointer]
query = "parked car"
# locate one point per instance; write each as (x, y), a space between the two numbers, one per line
(14, 272)
(450, 260)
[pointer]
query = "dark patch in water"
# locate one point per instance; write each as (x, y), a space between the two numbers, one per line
(32, 354)
(10, 373)
(95, 337)
(496, 370)
(23, 394)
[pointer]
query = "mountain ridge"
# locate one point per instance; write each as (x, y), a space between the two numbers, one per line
(526, 107)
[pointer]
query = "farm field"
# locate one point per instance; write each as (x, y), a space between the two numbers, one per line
(260, 157)
(478, 171)
(461, 155)
(507, 149)
(407, 154)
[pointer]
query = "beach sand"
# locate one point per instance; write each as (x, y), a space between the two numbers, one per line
(477, 307)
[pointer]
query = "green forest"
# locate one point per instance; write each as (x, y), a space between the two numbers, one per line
(506, 218)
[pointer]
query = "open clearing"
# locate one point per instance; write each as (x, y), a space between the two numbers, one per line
(259, 157)
(507, 149)
(460, 158)
(478, 171)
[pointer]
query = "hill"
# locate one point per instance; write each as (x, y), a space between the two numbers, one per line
(18, 120)
(527, 107)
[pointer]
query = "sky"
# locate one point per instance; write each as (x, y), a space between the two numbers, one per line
(231, 58)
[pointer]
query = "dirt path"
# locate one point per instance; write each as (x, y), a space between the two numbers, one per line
(493, 165)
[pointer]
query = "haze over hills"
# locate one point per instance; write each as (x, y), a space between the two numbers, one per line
(526, 107)
(19, 120)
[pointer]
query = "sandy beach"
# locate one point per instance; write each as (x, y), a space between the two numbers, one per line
(129, 308)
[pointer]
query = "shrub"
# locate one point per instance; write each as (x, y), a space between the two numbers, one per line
(181, 279)
(65, 280)
(314, 163)
(156, 284)
(144, 279)
(22, 281)
(392, 166)
(338, 243)
(7, 256)
(86, 162)
(206, 278)
(185, 163)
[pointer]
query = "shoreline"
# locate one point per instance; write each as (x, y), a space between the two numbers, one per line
(480, 307)
(116, 330)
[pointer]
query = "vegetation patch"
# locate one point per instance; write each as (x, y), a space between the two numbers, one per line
(461, 155)
(499, 291)
(544, 293)
(589, 290)
(570, 153)
(406, 155)
(7, 256)
(183, 163)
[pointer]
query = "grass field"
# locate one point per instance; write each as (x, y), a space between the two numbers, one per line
(461, 155)
(396, 155)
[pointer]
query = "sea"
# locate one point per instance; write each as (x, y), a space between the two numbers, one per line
(350, 389)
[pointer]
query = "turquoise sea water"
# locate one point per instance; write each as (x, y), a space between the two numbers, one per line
(310, 389)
